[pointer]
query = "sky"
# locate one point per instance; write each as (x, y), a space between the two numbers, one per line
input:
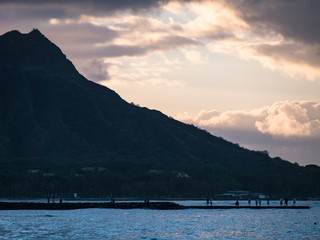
(245, 70)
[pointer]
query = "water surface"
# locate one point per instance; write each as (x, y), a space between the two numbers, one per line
(163, 224)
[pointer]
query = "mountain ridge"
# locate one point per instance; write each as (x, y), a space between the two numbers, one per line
(54, 119)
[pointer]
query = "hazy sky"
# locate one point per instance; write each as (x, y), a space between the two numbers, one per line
(246, 70)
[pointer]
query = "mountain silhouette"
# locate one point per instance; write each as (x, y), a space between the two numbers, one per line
(55, 120)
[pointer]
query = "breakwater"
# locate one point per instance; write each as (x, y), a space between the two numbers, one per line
(249, 207)
(125, 205)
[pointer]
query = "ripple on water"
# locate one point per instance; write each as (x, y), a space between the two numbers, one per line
(156, 224)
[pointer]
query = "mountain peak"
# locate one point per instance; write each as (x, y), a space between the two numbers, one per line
(15, 37)
(32, 49)
(36, 35)
(12, 33)
(35, 31)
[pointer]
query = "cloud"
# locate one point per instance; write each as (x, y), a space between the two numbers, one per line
(76, 8)
(148, 71)
(193, 56)
(290, 129)
(264, 31)
(114, 50)
(90, 40)
(288, 118)
(19, 11)
(214, 20)
(85, 6)
(136, 37)
(293, 58)
(298, 19)
(281, 35)
(96, 70)
(291, 119)
(79, 33)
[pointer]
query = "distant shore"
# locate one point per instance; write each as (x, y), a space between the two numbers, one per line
(139, 199)
(124, 205)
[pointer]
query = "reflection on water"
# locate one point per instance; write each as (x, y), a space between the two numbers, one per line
(163, 224)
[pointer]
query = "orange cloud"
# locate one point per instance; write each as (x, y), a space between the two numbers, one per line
(288, 118)
(291, 118)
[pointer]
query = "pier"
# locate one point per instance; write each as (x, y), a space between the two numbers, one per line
(248, 207)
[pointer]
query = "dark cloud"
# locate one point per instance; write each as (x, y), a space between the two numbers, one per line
(79, 33)
(72, 8)
(218, 33)
(170, 42)
(113, 50)
(97, 70)
(291, 52)
(295, 19)
(107, 5)
(39, 12)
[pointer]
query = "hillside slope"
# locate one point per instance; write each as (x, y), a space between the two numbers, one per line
(54, 120)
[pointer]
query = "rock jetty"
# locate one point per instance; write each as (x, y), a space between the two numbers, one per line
(82, 205)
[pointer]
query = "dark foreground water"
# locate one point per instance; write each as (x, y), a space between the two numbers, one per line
(163, 224)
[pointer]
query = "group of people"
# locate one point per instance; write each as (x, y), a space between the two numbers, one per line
(209, 202)
(286, 201)
(283, 202)
(258, 202)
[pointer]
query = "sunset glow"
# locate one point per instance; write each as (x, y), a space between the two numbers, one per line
(246, 70)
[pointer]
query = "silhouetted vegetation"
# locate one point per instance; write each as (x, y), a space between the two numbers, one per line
(140, 181)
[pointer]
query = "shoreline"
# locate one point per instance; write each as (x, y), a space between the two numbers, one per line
(125, 205)
(137, 199)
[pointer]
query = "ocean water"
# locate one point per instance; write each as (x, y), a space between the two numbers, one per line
(163, 224)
